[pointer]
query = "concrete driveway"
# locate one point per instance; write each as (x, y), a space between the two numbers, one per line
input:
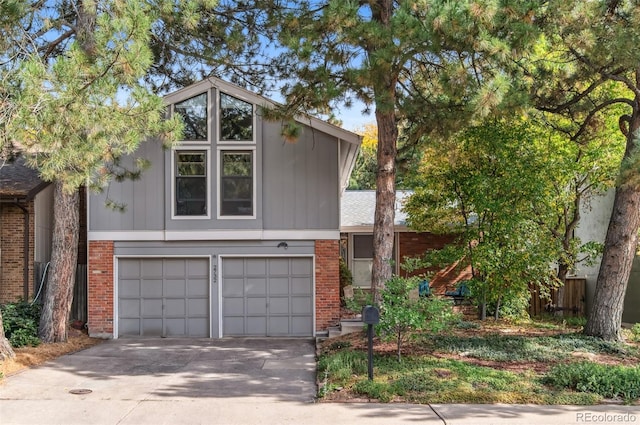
(258, 381)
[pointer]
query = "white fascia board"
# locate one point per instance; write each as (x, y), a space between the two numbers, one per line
(212, 235)
(137, 235)
(261, 101)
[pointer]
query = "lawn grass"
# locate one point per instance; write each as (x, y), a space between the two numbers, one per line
(476, 365)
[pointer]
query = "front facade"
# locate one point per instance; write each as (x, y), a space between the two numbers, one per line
(357, 217)
(232, 232)
(26, 223)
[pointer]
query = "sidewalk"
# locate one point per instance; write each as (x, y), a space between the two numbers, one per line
(232, 382)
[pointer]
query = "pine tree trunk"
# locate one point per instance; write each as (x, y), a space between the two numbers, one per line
(386, 79)
(383, 231)
(6, 351)
(59, 292)
(605, 315)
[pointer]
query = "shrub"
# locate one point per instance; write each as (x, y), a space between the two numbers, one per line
(401, 314)
(635, 333)
(20, 320)
(346, 278)
(605, 380)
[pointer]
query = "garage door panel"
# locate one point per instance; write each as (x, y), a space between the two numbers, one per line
(198, 307)
(279, 286)
(151, 307)
(175, 327)
(301, 286)
(198, 287)
(255, 286)
(256, 326)
(152, 327)
(285, 294)
(233, 326)
(198, 327)
(174, 267)
(174, 288)
(255, 267)
(301, 305)
(302, 266)
(256, 306)
(129, 326)
(175, 307)
(151, 268)
(129, 307)
(279, 305)
(151, 288)
(233, 306)
(129, 288)
(233, 287)
(158, 297)
(301, 326)
(279, 266)
(279, 326)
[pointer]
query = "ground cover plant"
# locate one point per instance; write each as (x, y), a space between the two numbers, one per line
(537, 362)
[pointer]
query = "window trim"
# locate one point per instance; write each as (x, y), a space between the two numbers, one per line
(233, 148)
(209, 116)
(207, 152)
(218, 126)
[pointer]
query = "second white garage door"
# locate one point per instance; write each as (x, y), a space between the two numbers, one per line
(267, 296)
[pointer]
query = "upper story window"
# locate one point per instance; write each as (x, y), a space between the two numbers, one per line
(236, 183)
(236, 119)
(191, 192)
(194, 116)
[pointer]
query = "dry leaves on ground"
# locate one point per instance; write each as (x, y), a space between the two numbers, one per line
(27, 357)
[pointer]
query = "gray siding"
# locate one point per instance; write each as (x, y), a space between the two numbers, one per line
(297, 186)
(144, 199)
(302, 191)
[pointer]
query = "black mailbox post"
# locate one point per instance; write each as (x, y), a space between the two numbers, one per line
(370, 316)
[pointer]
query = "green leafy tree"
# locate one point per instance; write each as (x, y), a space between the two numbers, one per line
(489, 184)
(585, 49)
(424, 63)
(402, 311)
(76, 103)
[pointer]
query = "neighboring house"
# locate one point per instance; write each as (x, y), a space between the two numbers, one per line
(26, 223)
(356, 226)
(594, 223)
(232, 232)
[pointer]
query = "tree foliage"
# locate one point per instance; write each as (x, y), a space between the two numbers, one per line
(583, 66)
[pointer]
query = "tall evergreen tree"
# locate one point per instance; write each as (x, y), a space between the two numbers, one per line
(585, 65)
(72, 73)
(423, 64)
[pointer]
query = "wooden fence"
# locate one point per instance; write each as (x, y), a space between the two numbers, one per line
(79, 304)
(574, 300)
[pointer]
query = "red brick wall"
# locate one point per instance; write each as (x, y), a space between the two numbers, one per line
(416, 244)
(12, 252)
(327, 284)
(100, 289)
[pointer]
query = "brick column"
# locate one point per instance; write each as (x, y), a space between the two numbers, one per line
(100, 289)
(327, 283)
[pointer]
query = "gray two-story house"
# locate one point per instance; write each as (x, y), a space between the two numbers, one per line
(232, 232)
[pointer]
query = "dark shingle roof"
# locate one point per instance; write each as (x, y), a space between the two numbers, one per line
(19, 181)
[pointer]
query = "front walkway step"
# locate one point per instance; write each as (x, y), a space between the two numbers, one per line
(351, 325)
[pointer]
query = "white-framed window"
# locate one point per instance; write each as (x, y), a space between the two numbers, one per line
(236, 120)
(190, 183)
(236, 183)
(195, 117)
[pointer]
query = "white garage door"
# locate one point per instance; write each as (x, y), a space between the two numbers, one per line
(163, 297)
(267, 296)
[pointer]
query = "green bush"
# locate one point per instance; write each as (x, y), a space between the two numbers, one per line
(346, 278)
(635, 333)
(605, 380)
(20, 320)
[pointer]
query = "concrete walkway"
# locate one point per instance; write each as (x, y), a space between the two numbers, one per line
(230, 381)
